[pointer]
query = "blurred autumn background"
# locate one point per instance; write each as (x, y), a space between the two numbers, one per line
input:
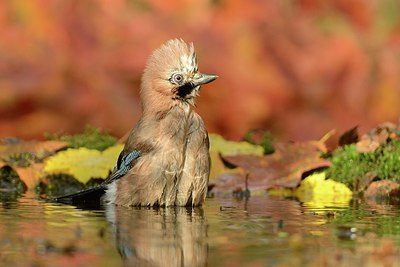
(297, 68)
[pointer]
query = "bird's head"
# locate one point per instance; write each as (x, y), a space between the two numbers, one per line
(172, 75)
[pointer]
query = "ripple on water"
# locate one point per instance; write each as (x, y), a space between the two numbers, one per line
(261, 230)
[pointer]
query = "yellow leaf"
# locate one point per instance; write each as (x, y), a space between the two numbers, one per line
(84, 163)
(316, 191)
(225, 147)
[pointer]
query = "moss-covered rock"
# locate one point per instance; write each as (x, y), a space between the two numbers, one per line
(58, 184)
(383, 189)
(350, 166)
(11, 186)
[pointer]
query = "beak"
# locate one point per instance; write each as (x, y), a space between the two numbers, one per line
(203, 79)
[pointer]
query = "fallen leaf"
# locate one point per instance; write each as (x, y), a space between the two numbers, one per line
(84, 163)
(225, 147)
(220, 146)
(22, 156)
(319, 191)
(367, 145)
(284, 168)
(376, 137)
(40, 149)
(30, 175)
(349, 137)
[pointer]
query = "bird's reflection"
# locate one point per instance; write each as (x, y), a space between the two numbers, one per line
(173, 236)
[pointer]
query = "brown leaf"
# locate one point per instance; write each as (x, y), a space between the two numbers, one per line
(284, 168)
(40, 149)
(349, 137)
(379, 135)
(31, 173)
(367, 145)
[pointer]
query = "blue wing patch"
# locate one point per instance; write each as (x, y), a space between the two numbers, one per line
(124, 165)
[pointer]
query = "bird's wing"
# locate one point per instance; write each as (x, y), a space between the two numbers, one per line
(91, 196)
(124, 164)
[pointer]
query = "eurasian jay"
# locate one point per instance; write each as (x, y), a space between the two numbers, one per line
(166, 160)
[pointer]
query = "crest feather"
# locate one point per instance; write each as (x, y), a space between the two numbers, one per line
(175, 54)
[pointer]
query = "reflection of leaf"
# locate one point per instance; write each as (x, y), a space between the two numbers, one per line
(84, 163)
(284, 168)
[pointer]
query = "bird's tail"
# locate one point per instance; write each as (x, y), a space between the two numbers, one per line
(86, 198)
(92, 197)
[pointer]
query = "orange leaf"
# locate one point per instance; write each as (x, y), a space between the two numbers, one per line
(30, 175)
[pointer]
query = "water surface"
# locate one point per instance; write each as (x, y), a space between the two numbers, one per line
(259, 231)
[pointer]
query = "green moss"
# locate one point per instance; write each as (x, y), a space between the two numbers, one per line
(63, 184)
(348, 165)
(389, 167)
(92, 138)
(22, 159)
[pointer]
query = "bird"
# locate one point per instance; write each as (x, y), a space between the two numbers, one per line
(165, 160)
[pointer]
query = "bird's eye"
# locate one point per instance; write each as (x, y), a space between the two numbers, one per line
(177, 79)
